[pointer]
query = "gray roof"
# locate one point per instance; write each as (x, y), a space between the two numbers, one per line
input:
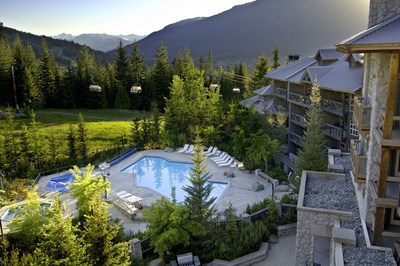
(262, 107)
(267, 90)
(385, 35)
(328, 54)
(285, 72)
(335, 75)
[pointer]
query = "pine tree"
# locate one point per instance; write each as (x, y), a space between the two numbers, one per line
(199, 200)
(59, 244)
(87, 189)
(81, 140)
(161, 77)
(99, 235)
(276, 59)
(313, 156)
(48, 77)
(138, 73)
(263, 66)
(122, 98)
(122, 68)
(71, 139)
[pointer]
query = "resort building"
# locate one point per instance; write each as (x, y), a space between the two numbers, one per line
(263, 101)
(376, 153)
(339, 78)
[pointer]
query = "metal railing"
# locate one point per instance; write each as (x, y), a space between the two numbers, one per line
(281, 92)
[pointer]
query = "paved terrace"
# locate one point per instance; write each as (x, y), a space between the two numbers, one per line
(238, 192)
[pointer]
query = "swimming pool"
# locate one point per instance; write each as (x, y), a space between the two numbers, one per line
(161, 175)
(12, 213)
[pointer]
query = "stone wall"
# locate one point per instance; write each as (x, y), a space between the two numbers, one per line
(304, 238)
(376, 87)
(381, 10)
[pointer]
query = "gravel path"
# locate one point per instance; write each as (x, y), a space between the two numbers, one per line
(340, 195)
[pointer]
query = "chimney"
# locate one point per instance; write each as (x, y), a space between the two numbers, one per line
(381, 10)
(293, 57)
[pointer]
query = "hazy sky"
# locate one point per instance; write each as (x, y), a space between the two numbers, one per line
(141, 17)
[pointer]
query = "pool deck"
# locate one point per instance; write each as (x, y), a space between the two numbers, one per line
(238, 191)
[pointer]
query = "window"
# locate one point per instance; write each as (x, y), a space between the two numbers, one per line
(351, 102)
(353, 129)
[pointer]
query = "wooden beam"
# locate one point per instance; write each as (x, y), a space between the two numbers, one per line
(383, 172)
(386, 203)
(378, 226)
(391, 96)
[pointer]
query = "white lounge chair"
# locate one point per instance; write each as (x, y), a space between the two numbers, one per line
(208, 150)
(224, 160)
(231, 160)
(190, 149)
(184, 149)
(220, 157)
(213, 152)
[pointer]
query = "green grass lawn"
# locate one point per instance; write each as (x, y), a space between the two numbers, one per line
(105, 127)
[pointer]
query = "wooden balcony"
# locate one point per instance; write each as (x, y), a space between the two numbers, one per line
(281, 92)
(297, 139)
(332, 131)
(299, 99)
(393, 141)
(297, 119)
(359, 162)
(362, 115)
(332, 107)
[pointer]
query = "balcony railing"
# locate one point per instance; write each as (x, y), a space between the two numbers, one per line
(297, 139)
(332, 131)
(359, 161)
(332, 106)
(394, 139)
(300, 99)
(281, 92)
(297, 119)
(362, 114)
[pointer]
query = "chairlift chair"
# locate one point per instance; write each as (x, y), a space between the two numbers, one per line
(236, 90)
(136, 89)
(94, 88)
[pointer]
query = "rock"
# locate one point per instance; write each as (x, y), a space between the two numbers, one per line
(282, 188)
(169, 149)
(257, 187)
(229, 174)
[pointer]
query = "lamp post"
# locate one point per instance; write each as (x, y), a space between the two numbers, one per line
(103, 167)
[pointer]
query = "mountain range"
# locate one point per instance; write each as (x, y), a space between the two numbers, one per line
(102, 42)
(246, 31)
(240, 34)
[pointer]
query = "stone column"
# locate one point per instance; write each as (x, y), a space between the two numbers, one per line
(136, 248)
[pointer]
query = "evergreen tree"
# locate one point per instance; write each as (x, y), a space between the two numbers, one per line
(138, 73)
(48, 77)
(81, 140)
(161, 77)
(122, 69)
(86, 76)
(122, 98)
(99, 235)
(26, 227)
(60, 244)
(170, 228)
(6, 59)
(199, 200)
(71, 139)
(258, 79)
(313, 155)
(262, 148)
(276, 58)
(87, 189)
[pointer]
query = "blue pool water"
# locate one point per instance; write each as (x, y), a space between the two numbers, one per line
(161, 175)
